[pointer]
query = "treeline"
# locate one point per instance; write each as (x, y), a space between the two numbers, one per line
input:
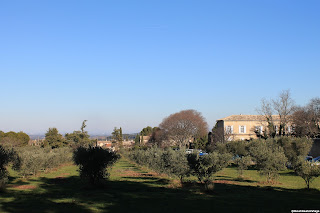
(14, 138)
(77, 138)
(268, 157)
(55, 151)
(294, 120)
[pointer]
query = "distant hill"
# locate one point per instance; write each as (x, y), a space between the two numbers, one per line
(93, 136)
(109, 137)
(34, 137)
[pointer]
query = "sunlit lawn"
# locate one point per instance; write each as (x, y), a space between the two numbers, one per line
(135, 189)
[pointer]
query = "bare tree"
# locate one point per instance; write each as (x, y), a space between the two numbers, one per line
(183, 126)
(267, 111)
(306, 119)
(314, 109)
(283, 106)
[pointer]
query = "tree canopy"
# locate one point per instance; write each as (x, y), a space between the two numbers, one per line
(183, 126)
(14, 138)
(54, 139)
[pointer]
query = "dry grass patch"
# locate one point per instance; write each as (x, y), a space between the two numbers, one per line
(22, 187)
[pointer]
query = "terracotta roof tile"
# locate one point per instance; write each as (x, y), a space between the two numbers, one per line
(248, 118)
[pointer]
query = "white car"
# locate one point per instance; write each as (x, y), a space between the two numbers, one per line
(189, 151)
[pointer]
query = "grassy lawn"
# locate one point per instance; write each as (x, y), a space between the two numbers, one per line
(135, 189)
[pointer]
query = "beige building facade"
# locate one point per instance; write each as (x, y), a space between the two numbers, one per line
(243, 127)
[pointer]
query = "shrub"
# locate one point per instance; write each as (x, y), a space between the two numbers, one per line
(220, 148)
(239, 148)
(295, 148)
(242, 164)
(150, 157)
(34, 159)
(204, 167)
(6, 156)
(175, 163)
(93, 162)
(307, 170)
(269, 157)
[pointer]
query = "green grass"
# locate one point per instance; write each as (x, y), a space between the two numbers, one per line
(135, 189)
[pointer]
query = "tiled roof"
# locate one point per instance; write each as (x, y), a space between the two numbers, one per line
(248, 118)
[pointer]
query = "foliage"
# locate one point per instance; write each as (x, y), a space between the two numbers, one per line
(93, 162)
(129, 193)
(238, 148)
(137, 140)
(218, 135)
(201, 142)
(14, 139)
(117, 136)
(79, 138)
(54, 139)
(308, 171)
(151, 157)
(6, 156)
(242, 164)
(294, 148)
(183, 126)
(269, 157)
(83, 126)
(35, 159)
(220, 147)
(175, 163)
(204, 167)
(147, 131)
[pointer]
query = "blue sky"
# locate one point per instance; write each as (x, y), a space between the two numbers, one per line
(132, 63)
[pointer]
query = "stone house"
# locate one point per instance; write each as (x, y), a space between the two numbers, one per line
(244, 127)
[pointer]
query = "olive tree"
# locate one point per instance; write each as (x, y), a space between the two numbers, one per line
(7, 156)
(242, 164)
(269, 157)
(294, 148)
(204, 167)
(175, 163)
(308, 171)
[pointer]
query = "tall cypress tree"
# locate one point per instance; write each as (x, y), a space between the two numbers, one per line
(120, 138)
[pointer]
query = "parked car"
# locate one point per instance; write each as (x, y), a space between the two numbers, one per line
(202, 153)
(316, 160)
(189, 151)
(309, 158)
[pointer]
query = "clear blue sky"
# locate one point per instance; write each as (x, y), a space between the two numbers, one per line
(132, 63)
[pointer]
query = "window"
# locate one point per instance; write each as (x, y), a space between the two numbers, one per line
(258, 129)
(242, 129)
(229, 129)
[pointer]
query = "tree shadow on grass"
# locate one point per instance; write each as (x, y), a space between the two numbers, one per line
(153, 180)
(238, 179)
(291, 173)
(70, 194)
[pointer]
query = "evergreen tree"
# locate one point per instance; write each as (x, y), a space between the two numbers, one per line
(137, 140)
(120, 138)
(80, 138)
(54, 139)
